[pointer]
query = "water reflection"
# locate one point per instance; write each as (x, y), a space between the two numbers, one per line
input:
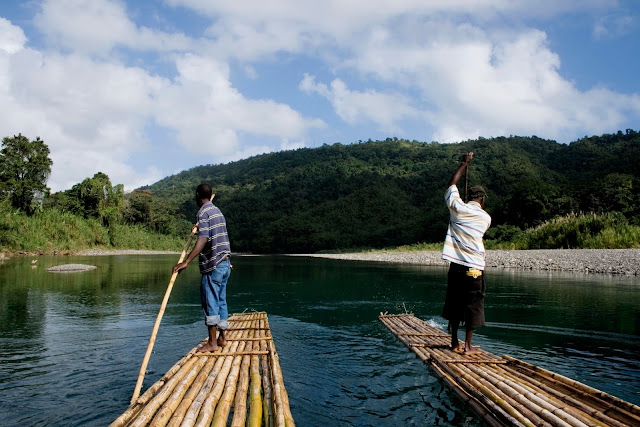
(71, 344)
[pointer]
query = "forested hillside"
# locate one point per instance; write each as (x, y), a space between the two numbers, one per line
(388, 193)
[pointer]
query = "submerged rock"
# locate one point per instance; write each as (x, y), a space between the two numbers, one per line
(70, 268)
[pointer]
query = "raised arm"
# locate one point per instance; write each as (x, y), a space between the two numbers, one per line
(466, 159)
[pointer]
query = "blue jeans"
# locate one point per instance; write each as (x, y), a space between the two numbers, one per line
(213, 295)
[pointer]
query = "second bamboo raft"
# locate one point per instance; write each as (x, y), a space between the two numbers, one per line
(241, 381)
(508, 392)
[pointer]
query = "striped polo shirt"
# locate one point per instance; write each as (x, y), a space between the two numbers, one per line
(212, 225)
(468, 223)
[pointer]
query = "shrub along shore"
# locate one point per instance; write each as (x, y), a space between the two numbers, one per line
(53, 232)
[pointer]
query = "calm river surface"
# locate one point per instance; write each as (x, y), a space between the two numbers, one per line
(71, 345)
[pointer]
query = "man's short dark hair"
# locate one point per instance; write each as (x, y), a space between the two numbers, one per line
(476, 192)
(203, 192)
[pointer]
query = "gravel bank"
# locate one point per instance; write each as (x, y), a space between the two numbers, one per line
(602, 261)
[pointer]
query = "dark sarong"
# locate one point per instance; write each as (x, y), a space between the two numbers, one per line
(465, 297)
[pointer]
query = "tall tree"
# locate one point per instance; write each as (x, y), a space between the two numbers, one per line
(25, 167)
(101, 199)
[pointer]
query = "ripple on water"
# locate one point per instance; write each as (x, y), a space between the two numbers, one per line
(359, 379)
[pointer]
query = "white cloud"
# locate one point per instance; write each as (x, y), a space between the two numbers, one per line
(12, 38)
(614, 26)
(463, 68)
(476, 82)
(355, 107)
(97, 26)
(213, 113)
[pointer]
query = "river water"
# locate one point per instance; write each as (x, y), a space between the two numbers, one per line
(71, 344)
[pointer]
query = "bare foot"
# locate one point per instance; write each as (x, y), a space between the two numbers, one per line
(208, 348)
(471, 351)
(222, 341)
(458, 349)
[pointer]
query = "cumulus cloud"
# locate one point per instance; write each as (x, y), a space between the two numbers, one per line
(12, 38)
(213, 113)
(97, 26)
(99, 80)
(478, 82)
(355, 107)
(93, 111)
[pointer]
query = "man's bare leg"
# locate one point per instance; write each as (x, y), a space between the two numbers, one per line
(453, 327)
(468, 348)
(221, 339)
(211, 344)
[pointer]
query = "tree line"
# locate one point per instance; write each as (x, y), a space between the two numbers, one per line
(377, 194)
(25, 167)
(371, 194)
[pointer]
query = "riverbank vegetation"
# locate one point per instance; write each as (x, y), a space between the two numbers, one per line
(373, 194)
(381, 194)
(51, 231)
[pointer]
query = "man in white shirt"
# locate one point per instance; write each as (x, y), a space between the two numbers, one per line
(464, 248)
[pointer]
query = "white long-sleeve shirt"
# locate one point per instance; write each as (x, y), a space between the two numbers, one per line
(467, 225)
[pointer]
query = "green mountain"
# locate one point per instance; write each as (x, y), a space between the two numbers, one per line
(387, 193)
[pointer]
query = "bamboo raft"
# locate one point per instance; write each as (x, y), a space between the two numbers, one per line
(509, 392)
(202, 388)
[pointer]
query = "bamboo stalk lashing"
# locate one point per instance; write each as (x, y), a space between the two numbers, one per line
(508, 392)
(237, 353)
(202, 388)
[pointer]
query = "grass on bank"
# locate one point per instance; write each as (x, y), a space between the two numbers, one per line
(574, 231)
(54, 231)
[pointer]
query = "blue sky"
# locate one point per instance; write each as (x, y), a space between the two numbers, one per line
(143, 89)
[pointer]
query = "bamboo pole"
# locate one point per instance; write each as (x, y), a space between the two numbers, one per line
(191, 413)
(504, 401)
(237, 353)
(203, 399)
(136, 407)
(208, 409)
(173, 401)
(150, 408)
(576, 411)
(532, 413)
(255, 399)
(583, 390)
(156, 326)
(266, 385)
(466, 184)
(240, 403)
(485, 413)
(282, 397)
(527, 401)
(594, 413)
(278, 409)
(489, 384)
(196, 387)
(504, 412)
(223, 408)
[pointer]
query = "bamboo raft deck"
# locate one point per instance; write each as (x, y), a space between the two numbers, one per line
(509, 392)
(202, 388)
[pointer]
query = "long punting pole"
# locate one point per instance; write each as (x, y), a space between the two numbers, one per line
(152, 340)
(466, 184)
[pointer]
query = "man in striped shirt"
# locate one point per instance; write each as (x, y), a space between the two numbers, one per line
(464, 248)
(214, 253)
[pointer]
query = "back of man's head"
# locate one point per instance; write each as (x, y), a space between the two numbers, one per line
(477, 192)
(203, 192)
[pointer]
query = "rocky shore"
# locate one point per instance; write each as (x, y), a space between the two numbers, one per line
(602, 261)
